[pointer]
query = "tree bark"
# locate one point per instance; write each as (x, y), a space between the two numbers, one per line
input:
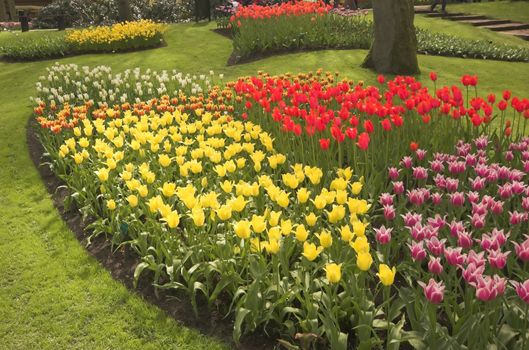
(394, 49)
(124, 10)
(10, 5)
(3, 11)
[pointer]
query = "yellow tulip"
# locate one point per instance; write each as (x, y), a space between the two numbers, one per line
(224, 212)
(272, 246)
(346, 233)
(273, 219)
(325, 239)
(242, 229)
(102, 174)
(310, 251)
(356, 187)
(168, 189)
(198, 216)
(386, 274)
(164, 160)
(111, 204)
(301, 233)
(364, 261)
(360, 244)
(133, 200)
(333, 272)
(172, 219)
(336, 214)
(311, 219)
(258, 223)
(303, 195)
(286, 227)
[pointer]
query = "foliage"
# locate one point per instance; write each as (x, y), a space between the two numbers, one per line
(33, 48)
(104, 12)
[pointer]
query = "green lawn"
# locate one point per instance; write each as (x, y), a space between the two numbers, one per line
(53, 295)
(513, 10)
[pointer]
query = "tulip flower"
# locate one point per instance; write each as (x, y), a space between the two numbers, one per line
(433, 291)
(364, 261)
(333, 272)
(383, 235)
(310, 251)
(522, 289)
(386, 274)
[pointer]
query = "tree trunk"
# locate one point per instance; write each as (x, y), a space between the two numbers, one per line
(394, 49)
(124, 10)
(12, 10)
(3, 11)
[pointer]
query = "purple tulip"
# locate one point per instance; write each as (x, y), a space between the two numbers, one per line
(434, 291)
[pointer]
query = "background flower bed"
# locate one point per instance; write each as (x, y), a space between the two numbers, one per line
(62, 119)
(127, 36)
(259, 30)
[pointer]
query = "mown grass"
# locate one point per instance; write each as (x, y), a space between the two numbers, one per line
(513, 10)
(53, 295)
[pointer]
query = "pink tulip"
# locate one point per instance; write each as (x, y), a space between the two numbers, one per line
(383, 235)
(508, 156)
(482, 170)
(389, 212)
(407, 162)
(420, 154)
(393, 173)
(497, 258)
(477, 259)
(457, 199)
(452, 184)
(503, 172)
(386, 199)
(505, 191)
(488, 288)
(479, 209)
(473, 197)
(522, 289)
(440, 181)
(434, 266)
(437, 221)
(470, 160)
(417, 232)
(457, 167)
(478, 221)
(525, 203)
(436, 198)
(454, 257)
(416, 197)
(478, 183)
(497, 207)
(437, 166)
(398, 187)
(518, 187)
(456, 227)
(436, 246)
(417, 251)
(472, 272)
(410, 219)
(481, 142)
(434, 291)
(420, 173)
(522, 250)
(516, 218)
(464, 239)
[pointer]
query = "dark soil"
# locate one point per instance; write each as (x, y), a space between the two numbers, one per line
(121, 263)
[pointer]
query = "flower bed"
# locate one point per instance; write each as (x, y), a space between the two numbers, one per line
(457, 222)
(199, 184)
(119, 37)
(259, 30)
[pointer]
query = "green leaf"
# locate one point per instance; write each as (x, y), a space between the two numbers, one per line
(137, 272)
